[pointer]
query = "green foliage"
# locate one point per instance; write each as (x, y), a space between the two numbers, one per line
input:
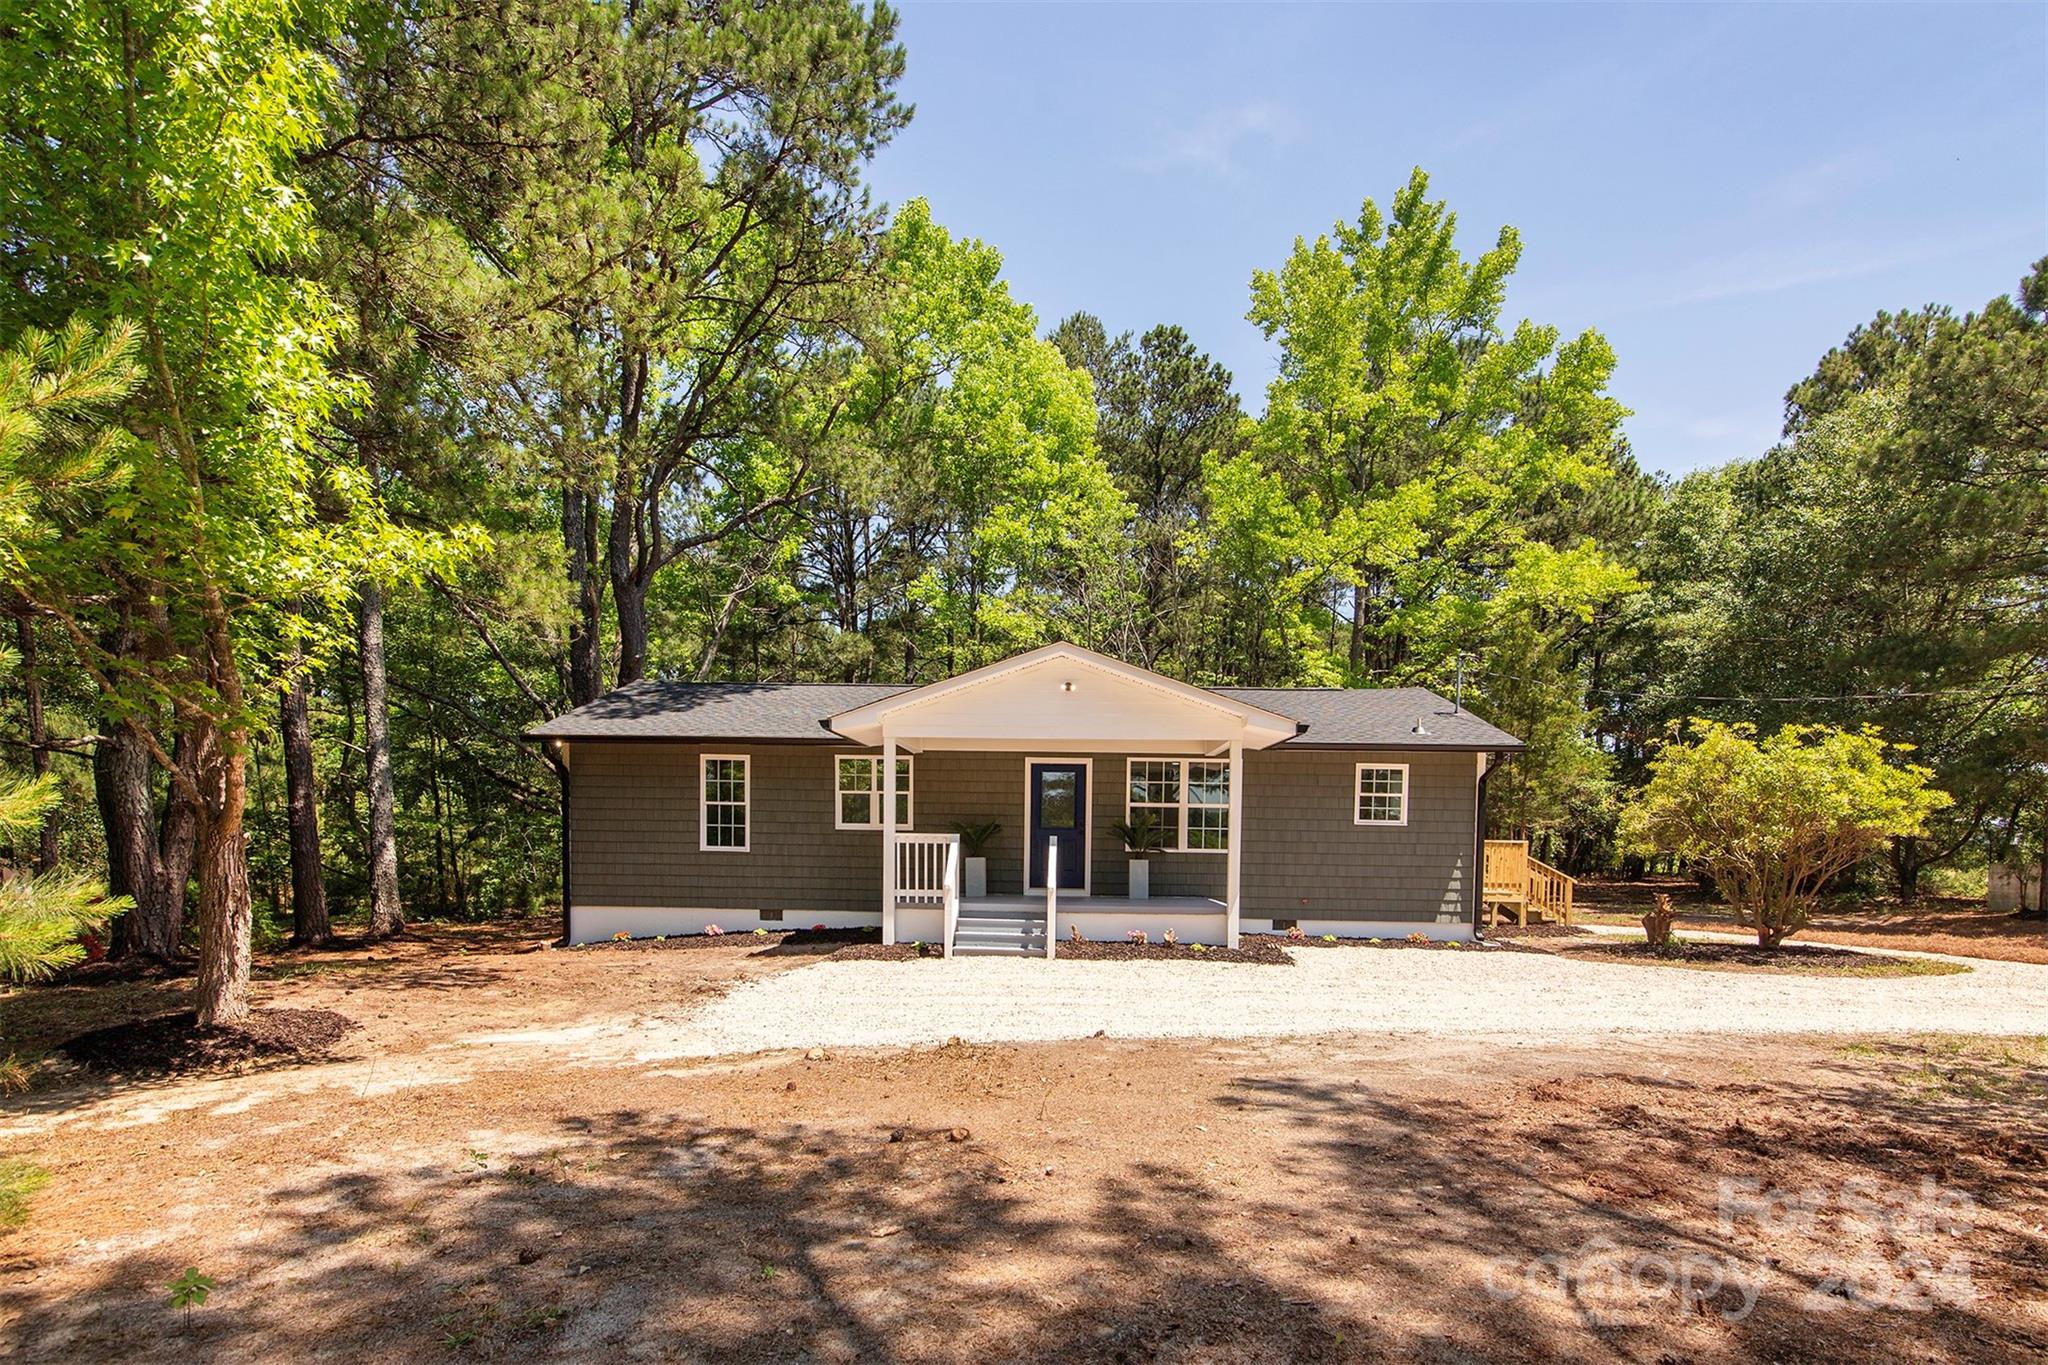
(1141, 834)
(975, 838)
(1772, 821)
(190, 1289)
(18, 1180)
(1881, 567)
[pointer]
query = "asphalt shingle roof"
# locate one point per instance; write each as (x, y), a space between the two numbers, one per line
(1334, 716)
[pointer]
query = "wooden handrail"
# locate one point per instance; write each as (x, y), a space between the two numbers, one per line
(1510, 877)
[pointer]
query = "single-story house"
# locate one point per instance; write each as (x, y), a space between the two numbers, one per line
(1348, 811)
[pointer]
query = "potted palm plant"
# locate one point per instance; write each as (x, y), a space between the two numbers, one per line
(1142, 837)
(974, 842)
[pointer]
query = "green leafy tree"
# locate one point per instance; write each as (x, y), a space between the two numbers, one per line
(699, 270)
(1162, 409)
(1772, 821)
(1416, 428)
(148, 155)
(1881, 566)
(54, 446)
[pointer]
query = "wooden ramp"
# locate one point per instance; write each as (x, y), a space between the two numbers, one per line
(1524, 885)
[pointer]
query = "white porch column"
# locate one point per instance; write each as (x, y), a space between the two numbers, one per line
(1235, 857)
(888, 837)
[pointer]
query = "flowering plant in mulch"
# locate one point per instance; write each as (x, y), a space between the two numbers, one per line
(1169, 938)
(1137, 936)
(713, 930)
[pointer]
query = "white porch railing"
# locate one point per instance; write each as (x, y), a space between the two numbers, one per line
(1052, 894)
(928, 873)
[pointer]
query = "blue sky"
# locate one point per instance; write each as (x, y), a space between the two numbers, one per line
(1724, 190)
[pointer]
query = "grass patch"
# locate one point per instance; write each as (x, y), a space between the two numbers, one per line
(18, 1180)
(1963, 1067)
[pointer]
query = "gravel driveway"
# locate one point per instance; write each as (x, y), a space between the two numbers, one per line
(1521, 997)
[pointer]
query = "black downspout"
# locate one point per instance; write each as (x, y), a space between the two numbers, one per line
(1479, 843)
(562, 770)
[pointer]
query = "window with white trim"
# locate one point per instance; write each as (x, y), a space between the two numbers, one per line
(722, 803)
(1188, 800)
(1382, 794)
(858, 793)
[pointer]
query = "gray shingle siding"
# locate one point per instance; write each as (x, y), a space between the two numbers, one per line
(634, 833)
(1306, 858)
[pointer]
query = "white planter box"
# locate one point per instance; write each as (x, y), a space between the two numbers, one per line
(976, 877)
(1141, 879)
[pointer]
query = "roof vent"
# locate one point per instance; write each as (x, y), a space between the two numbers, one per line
(1418, 728)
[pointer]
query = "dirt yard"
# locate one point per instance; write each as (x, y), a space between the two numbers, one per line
(1931, 924)
(425, 1195)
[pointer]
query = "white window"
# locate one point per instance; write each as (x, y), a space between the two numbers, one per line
(722, 804)
(859, 793)
(1382, 795)
(1188, 800)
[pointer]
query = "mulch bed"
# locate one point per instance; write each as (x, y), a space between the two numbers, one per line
(1249, 949)
(1515, 931)
(174, 1044)
(1317, 941)
(886, 952)
(736, 938)
(1805, 960)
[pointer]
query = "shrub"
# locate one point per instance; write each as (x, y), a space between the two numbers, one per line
(1418, 937)
(1198, 948)
(1329, 938)
(1141, 834)
(975, 838)
(1170, 939)
(1771, 821)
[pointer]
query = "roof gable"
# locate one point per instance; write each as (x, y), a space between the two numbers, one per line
(1062, 693)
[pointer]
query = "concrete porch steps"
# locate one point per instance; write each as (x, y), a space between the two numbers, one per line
(999, 933)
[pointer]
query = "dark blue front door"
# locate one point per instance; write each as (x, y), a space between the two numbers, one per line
(1059, 809)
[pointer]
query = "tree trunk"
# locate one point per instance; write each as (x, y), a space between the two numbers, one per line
(176, 839)
(310, 925)
(1907, 862)
(123, 789)
(1357, 650)
(585, 680)
(221, 994)
(387, 916)
(629, 605)
(38, 738)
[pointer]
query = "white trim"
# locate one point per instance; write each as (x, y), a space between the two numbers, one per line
(874, 793)
(1087, 826)
(1184, 805)
(1358, 777)
(745, 803)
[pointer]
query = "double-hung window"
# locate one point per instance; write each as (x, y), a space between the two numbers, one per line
(1381, 797)
(722, 804)
(859, 793)
(1188, 800)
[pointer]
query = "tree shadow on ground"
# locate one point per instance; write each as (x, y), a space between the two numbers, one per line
(1373, 1224)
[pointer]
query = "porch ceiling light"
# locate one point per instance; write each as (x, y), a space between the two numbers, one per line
(1067, 686)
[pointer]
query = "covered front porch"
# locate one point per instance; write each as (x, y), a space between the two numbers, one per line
(1083, 738)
